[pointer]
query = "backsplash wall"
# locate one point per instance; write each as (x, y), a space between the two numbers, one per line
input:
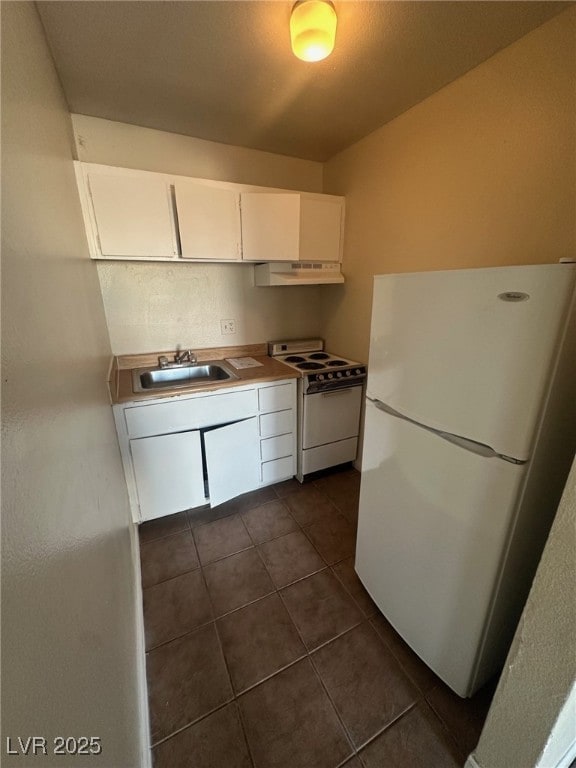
(153, 306)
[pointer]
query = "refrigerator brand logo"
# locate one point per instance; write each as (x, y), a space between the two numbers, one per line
(513, 296)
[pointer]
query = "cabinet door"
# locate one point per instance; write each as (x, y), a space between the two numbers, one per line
(169, 474)
(133, 216)
(270, 226)
(321, 228)
(232, 460)
(209, 222)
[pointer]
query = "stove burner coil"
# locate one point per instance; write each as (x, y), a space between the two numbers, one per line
(337, 362)
(294, 359)
(310, 366)
(318, 356)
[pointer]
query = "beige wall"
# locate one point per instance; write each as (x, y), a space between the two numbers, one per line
(482, 173)
(68, 604)
(539, 673)
(156, 306)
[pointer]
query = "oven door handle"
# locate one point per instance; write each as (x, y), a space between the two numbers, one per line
(334, 392)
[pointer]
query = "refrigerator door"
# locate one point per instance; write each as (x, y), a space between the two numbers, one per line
(470, 352)
(432, 534)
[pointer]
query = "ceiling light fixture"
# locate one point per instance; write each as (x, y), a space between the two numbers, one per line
(313, 29)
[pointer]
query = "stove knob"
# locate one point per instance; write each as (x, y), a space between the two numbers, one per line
(320, 377)
(330, 375)
(358, 371)
(348, 373)
(339, 374)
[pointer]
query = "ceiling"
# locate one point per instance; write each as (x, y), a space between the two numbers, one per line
(223, 70)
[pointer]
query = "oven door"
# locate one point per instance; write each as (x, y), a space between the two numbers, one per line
(331, 416)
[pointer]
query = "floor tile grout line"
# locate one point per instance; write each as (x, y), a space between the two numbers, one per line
(349, 591)
(193, 722)
(162, 538)
(274, 590)
(179, 637)
(444, 728)
(338, 636)
(402, 666)
(455, 739)
(304, 531)
(309, 655)
(389, 725)
(220, 644)
(279, 536)
(158, 538)
(334, 707)
(244, 733)
(247, 605)
(170, 578)
(292, 663)
(230, 554)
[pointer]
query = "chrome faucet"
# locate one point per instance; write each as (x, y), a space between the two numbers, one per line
(180, 359)
(186, 356)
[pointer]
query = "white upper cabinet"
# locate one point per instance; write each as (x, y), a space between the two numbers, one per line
(208, 221)
(321, 228)
(132, 215)
(291, 226)
(270, 226)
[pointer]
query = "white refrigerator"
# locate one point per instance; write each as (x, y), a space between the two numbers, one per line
(470, 429)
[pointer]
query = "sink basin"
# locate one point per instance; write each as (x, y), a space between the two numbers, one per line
(177, 376)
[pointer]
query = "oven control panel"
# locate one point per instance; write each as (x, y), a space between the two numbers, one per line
(348, 377)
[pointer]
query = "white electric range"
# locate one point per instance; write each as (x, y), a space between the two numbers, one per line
(330, 392)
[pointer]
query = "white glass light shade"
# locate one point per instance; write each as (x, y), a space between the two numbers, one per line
(313, 29)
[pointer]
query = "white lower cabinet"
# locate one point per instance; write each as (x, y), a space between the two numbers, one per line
(232, 460)
(168, 472)
(186, 451)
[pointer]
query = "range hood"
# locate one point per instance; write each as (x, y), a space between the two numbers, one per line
(297, 273)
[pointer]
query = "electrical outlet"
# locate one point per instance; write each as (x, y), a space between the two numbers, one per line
(227, 326)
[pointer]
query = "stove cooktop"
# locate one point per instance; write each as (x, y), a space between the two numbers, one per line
(308, 362)
(309, 357)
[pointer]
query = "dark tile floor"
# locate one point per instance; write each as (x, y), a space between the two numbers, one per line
(265, 651)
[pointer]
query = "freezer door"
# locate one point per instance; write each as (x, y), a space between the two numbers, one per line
(432, 533)
(470, 352)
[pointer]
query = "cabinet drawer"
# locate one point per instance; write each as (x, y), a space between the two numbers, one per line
(279, 423)
(280, 469)
(277, 447)
(276, 398)
(210, 410)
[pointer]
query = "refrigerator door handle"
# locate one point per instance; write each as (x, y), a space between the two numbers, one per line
(462, 442)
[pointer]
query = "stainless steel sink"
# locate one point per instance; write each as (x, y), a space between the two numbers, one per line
(179, 376)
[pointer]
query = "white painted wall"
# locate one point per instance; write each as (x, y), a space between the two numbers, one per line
(479, 174)
(68, 592)
(156, 306)
(527, 724)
